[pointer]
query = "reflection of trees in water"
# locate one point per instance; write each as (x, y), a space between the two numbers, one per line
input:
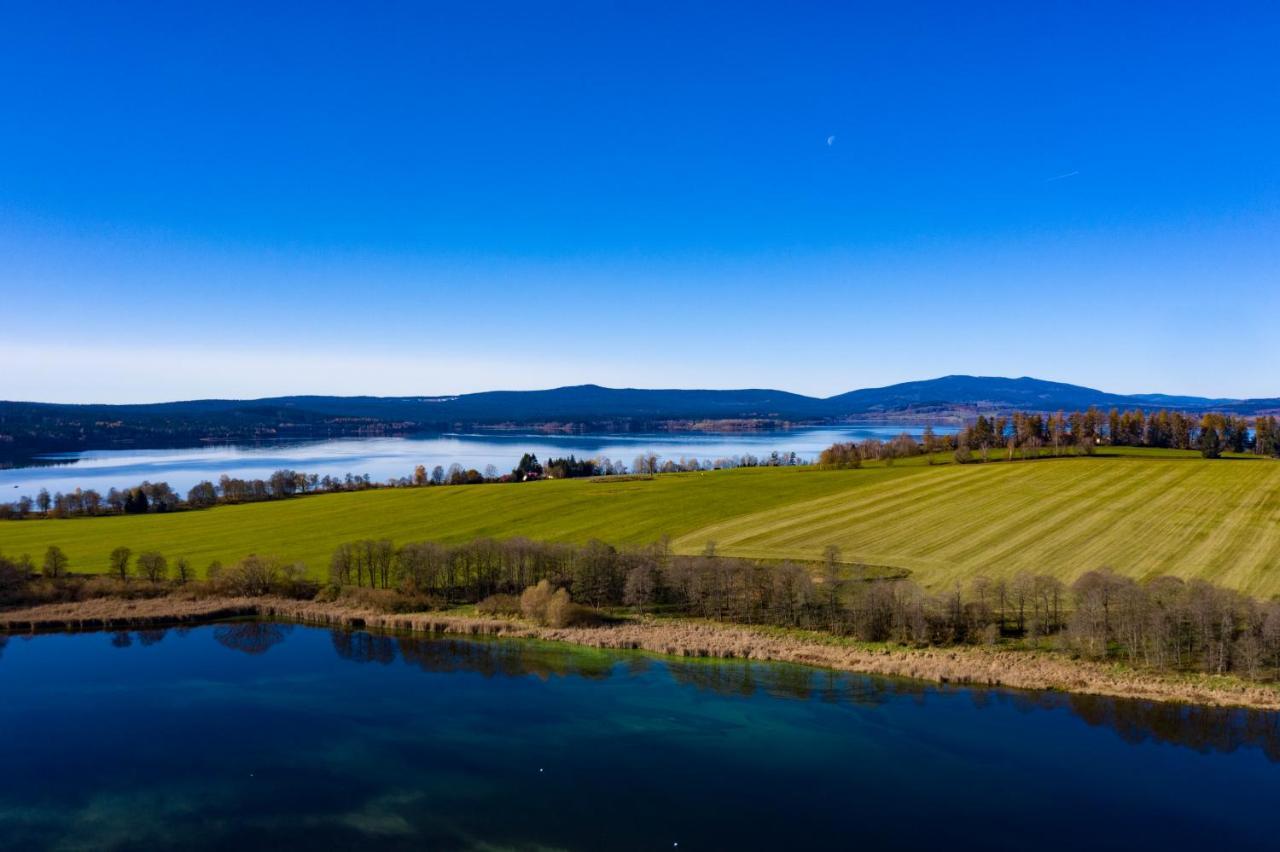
(151, 637)
(252, 637)
(507, 659)
(1204, 729)
(781, 680)
(4, 640)
(145, 638)
(723, 678)
(361, 647)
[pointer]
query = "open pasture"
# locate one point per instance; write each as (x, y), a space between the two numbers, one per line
(1139, 514)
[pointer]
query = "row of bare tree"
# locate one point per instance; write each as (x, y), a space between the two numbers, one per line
(1161, 623)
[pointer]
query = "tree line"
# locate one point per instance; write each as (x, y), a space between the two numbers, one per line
(148, 573)
(1159, 623)
(156, 497)
(1082, 431)
(1023, 435)
(1163, 623)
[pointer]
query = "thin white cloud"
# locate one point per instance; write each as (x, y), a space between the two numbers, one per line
(1063, 176)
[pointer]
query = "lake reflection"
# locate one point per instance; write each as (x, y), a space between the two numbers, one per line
(384, 458)
(260, 735)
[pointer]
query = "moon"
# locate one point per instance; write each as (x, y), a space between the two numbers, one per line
(831, 140)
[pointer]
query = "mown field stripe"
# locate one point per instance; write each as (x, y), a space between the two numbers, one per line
(767, 524)
(1229, 547)
(1100, 516)
(862, 521)
(1047, 500)
(1187, 516)
(740, 529)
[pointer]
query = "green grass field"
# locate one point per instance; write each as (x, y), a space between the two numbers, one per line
(1140, 513)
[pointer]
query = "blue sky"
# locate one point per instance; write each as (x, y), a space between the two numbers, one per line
(432, 198)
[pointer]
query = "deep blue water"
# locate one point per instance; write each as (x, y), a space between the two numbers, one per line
(260, 736)
(266, 736)
(384, 458)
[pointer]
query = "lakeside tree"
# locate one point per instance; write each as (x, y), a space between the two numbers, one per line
(527, 468)
(1210, 443)
(135, 501)
(845, 454)
(832, 584)
(358, 562)
(202, 495)
(573, 467)
(642, 585)
(1266, 436)
(255, 576)
(152, 566)
(118, 563)
(535, 600)
(55, 562)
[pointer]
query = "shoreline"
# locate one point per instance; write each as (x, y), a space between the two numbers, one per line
(960, 666)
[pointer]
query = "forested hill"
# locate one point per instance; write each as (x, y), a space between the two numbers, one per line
(31, 426)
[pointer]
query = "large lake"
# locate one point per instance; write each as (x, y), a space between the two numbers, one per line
(383, 458)
(264, 736)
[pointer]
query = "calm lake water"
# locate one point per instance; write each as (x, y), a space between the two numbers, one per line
(264, 736)
(383, 458)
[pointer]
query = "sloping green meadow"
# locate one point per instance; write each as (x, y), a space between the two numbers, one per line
(1216, 520)
(1139, 514)
(309, 528)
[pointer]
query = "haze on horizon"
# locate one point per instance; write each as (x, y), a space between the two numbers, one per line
(418, 200)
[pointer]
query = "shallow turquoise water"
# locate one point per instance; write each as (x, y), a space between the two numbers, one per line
(260, 736)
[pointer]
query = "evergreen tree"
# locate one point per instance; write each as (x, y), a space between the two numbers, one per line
(1210, 443)
(527, 467)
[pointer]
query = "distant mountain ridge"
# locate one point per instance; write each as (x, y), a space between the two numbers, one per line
(33, 425)
(582, 403)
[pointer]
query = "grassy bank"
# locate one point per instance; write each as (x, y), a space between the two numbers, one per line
(1020, 668)
(1139, 512)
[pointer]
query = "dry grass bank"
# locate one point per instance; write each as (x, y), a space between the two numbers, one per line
(964, 665)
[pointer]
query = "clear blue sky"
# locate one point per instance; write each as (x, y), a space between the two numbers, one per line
(430, 198)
